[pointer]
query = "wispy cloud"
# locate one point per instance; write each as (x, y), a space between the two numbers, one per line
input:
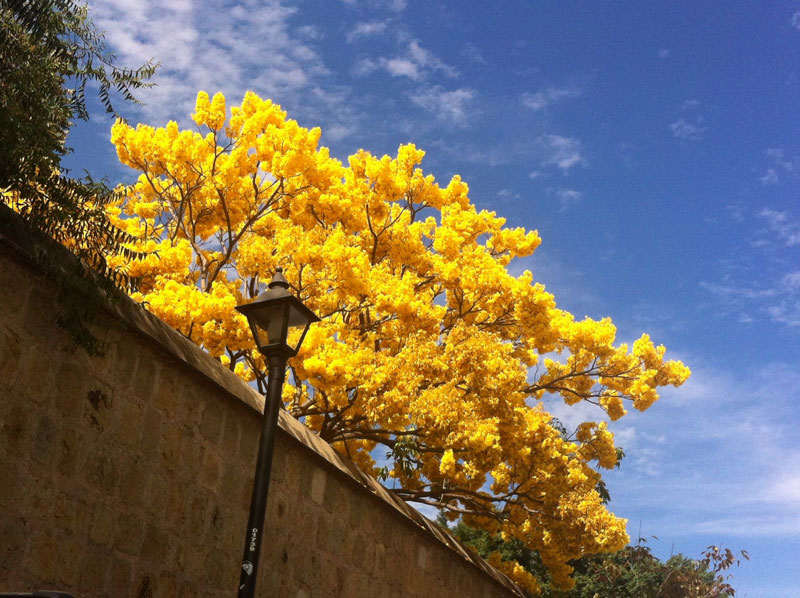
(414, 62)
(473, 55)
(563, 152)
(688, 127)
(568, 197)
(722, 452)
(392, 5)
(448, 106)
(794, 21)
(663, 53)
(547, 97)
(688, 130)
(779, 166)
(777, 297)
(368, 29)
(209, 51)
(781, 226)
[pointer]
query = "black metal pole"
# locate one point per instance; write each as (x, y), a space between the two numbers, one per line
(258, 504)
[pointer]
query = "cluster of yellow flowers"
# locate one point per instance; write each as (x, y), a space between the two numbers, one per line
(427, 346)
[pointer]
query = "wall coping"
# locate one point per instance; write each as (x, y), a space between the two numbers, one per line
(26, 244)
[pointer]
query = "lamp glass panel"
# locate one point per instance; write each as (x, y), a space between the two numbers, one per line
(267, 324)
(298, 324)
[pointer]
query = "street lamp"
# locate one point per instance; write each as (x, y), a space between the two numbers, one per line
(279, 322)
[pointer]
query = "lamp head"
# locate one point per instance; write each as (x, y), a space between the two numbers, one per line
(278, 320)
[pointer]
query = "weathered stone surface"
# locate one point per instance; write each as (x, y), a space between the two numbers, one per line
(11, 352)
(130, 477)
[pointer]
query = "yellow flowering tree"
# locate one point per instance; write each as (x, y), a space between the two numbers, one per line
(428, 350)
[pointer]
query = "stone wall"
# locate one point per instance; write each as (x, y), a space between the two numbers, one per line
(130, 475)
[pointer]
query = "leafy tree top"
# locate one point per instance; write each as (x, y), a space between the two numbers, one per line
(429, 349)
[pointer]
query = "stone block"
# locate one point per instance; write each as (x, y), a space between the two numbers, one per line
(15, 532)
(98, 407)
(146, 379)
(134, 480)
(152, 430)
(230, 435)
(73, 385)
(155, 545)
(318, 485)
(188, 590)
(171, 444)
(172, 508)
(216, 574)
(194, 515)
(127, 424)
(15, 429)
(46, 441)
(42, 559)
(422, 557)
(211, 471)
(101, 470)
(72, 514)
(234, 484)
(120, 582)
(145, 586)
(191, 456)
(37, 497)
(40, 317)
(212, 420)
(126, 361)
(103, 526)
(250, 433)
(191, 399)
(15, 295)
(72, 455)
(11, 474)
(11, 355)
(70, 561)
(158, 490)
(168, 396)
(167, 584)
(129, 534)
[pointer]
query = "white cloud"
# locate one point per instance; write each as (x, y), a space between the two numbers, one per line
(770, 177)
(792, 280)
(201, 46)
(787, 313)
(782, 227)
(568, 197)
(777, 297)
(724, 453)
(780, 166)
(795, 20)
(364, 66)
(369, 29)
(473, 55)
(563, 152)
(415, 63)
(448, 106)
(547, 97)
(392, 5)
(690, 104)
(688, 130)
(663, 53)
(402, 67)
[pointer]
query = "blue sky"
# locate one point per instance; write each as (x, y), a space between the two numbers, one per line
(653, 145)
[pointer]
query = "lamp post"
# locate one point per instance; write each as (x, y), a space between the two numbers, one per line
(279, 322)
